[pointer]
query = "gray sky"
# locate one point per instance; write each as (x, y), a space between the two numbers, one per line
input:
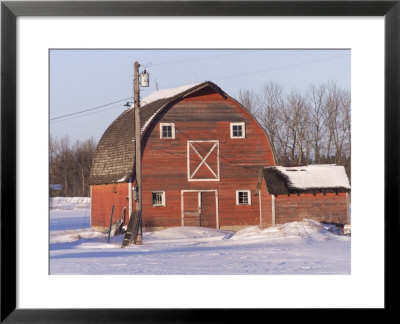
(87, 79)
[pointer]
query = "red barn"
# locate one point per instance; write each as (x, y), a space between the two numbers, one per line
(319, 192)
(201, 156)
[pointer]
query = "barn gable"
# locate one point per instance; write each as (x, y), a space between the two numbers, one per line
(113, 161)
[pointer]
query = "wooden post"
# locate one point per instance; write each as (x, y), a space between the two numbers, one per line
(138, 151)
(130, 235)
(111, 217)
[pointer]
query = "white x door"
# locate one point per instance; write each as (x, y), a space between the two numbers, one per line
(203, 160)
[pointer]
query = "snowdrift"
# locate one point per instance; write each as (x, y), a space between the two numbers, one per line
(69, 202)
(307, 229)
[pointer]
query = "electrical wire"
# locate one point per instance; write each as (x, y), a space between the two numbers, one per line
(90, 109)
(196, 59)
(267, 70)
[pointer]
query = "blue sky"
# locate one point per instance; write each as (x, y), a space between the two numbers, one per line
(86, 79)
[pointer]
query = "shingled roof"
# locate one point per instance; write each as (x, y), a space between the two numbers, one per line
(113, 160)
(321, 178)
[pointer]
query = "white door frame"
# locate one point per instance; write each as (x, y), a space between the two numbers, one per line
(199, 204)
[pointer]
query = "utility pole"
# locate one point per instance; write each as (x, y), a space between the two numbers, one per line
(134, 231)
(138, 153)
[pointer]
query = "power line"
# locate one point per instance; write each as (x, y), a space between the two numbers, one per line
(280, 67)
(214, 78)
(269, 69)
(84, 115)
(197, 59)
(90, 109)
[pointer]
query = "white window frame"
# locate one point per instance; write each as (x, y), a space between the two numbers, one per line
(248, 197)
(172, 130)
(243, 124)
(162, 198)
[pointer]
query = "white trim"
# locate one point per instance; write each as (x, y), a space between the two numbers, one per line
(91, 204)
(273, 210)
(172, 130)
(248, 197)
(259, 202)
(243, 124)
(199, 202)
(203, 160)
(216, 209)
(182, 214)
(162, 198)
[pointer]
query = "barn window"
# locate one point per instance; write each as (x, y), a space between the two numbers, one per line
(243, 197)
(167, 130)
(238, 130)
(158, 198)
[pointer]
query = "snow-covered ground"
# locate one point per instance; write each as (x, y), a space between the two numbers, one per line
(304, 247)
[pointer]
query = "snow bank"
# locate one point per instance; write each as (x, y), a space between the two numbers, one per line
(74, 235)
(69, 202)
(307, 229)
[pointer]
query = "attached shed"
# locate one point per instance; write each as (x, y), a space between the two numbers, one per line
(319, 192)
(201, 156)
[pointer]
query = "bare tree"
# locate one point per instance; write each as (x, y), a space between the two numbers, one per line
(314, 127)
(269, 103)
(316, 97)
(248, 99)
(70, 165)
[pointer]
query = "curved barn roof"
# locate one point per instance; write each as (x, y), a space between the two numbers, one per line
(113, 160)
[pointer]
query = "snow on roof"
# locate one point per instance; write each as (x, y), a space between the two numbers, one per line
(163, 94)
(167, 93)
(315, 176)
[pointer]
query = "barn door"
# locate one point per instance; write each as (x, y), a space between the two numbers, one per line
(208, 209)
(199, 208)
(191, 208)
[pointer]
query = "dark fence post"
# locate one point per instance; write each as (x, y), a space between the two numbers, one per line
(109, 230)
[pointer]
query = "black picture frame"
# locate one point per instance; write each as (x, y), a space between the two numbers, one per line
(10, 10)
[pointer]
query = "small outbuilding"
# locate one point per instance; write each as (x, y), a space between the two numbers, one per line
(318, 192)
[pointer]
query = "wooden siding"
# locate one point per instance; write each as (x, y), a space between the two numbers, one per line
(103, 198)
(204, 117)
(330, 208)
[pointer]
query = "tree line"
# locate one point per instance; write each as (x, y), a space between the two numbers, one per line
(312, 127)
(69, 166)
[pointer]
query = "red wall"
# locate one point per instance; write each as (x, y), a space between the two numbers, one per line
(206, 116)
(330, 208)
(103, 198)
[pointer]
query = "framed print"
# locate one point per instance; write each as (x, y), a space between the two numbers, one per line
(31, 30)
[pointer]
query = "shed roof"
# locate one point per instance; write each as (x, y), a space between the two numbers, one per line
(306, 179)
(113, 160)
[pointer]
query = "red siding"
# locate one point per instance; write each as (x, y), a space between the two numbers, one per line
(207, 117)
(103, 198)
(330, 208)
